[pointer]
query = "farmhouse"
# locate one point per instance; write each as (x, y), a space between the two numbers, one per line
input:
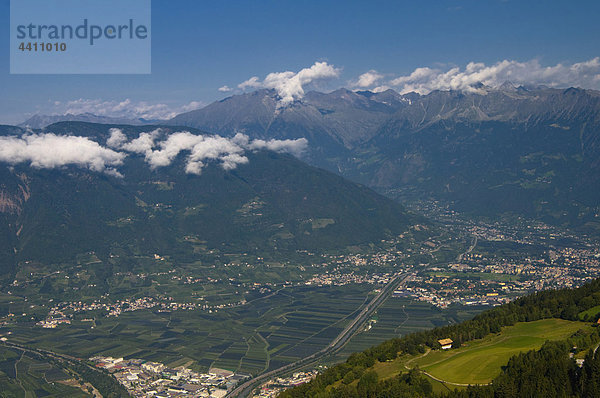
(445, 343)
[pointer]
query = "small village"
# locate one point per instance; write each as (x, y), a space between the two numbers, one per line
(62, 313)
(477, 279)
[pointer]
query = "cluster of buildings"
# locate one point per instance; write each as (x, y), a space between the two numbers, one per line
(146, 379)
(53, 320)
(63, 312)
(444, 298)
(340, 279)
(491, 280)
(273, 387)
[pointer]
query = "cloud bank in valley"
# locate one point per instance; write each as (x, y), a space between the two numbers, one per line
(49, 151)
(160, 151)
(424, 80)
(290, 85)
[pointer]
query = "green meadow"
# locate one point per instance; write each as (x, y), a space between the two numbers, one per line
(479, 361)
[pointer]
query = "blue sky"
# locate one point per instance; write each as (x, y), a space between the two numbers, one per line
(200, 46)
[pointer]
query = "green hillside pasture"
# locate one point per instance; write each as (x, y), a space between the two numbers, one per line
(478, 362)
(593, 312)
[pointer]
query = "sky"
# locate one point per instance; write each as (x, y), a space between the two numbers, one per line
(203, 50)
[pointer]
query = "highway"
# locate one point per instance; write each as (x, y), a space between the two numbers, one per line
(336, 344)
(469, 250)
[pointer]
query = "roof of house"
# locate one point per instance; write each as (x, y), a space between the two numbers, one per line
(445, 341)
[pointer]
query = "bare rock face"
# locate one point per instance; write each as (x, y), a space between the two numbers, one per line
(14, 192)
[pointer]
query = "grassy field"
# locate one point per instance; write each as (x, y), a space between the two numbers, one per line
(479, 361)
(594, 311)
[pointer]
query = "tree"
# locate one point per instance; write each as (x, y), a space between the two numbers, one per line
(367, 383)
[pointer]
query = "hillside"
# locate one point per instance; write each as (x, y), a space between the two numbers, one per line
(269, 202)
(490, 350)
(530, 151)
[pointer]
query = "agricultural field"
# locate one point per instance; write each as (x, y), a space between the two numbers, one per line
(24, 375)
(263, 334)
(400, 316)
(479, 361)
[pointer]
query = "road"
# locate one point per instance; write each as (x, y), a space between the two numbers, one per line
(469, 250)
(336, 344)
(451, 383)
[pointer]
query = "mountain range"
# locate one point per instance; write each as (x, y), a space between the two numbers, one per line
(272, 202)
(530, 151)
(39, 121)
(525, 151)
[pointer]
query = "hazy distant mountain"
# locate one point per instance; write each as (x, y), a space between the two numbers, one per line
(274, 202)
(353, 118)
(527, 150)
(40, 121)
(333, 123)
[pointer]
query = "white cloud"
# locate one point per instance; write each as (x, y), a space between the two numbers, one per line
(224, 89)
(170, 148)
(380, 89)
(253, 82)
(217, 148)
(142, 144)
(295, 147)
(290, 85)
(116, 139)
(424, 80)
(48, 151)
(192, 106)
(367, 79)
(232, 160)
(202, 149)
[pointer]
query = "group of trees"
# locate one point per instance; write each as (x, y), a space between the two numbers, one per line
(107, 385)
(565, 304)
(406, 385)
